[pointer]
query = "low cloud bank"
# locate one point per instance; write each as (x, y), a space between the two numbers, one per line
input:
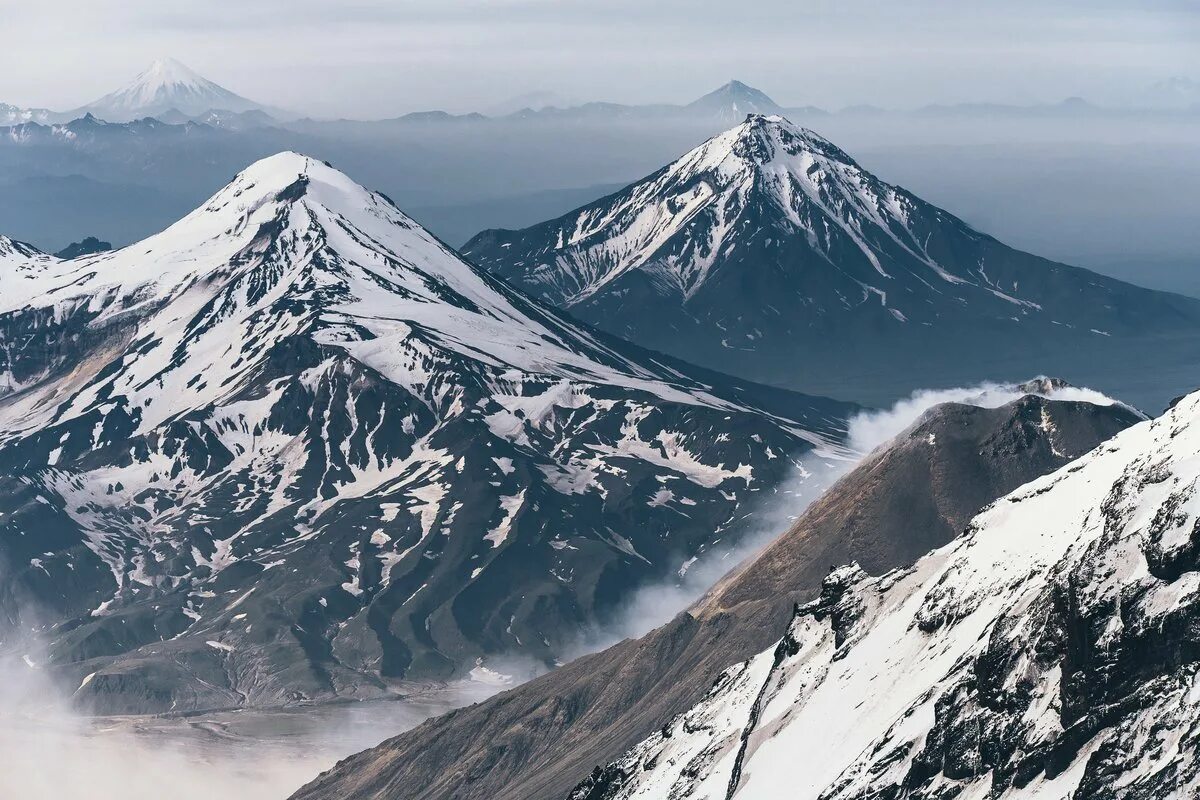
(870, 429)
(52, 752)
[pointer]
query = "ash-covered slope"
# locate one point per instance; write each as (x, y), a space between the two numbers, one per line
(294, 447)
(768, 252)
(914, 494)
(1051, 651)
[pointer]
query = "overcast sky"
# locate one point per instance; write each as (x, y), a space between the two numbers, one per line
(370, 58)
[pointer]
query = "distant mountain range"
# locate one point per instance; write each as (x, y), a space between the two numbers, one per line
(174, 93)
(532, 101)
(293, 447)
(14, 115)
(769, 253)
(166, 87)
(734, 101)
(463, 173)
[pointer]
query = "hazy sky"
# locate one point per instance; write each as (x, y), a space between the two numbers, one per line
(374, 57)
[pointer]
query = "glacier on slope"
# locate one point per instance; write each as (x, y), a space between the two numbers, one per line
(1050, 651)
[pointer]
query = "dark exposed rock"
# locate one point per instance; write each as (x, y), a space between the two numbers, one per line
(85, 247)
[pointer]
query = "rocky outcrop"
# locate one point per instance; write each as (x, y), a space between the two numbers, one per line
(85, 247)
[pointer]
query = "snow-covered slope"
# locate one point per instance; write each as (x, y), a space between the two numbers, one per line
(21, 259)
(768, 239)
(164, 86)
(1048, 652)
(293, 446)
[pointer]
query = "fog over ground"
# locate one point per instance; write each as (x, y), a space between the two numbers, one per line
(52, 752)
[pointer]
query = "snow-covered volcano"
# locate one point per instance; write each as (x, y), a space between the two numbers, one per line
(1051, 652)
(733, 101)
(769, 252)
(164, 86)
(293, 447)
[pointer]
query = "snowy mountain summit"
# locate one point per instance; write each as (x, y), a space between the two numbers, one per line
(294, 447)
(164, 86)
(768, 238)
(1050, 651)
(733, 101)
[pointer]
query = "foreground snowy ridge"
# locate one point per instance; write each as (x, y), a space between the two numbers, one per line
(1048, 652)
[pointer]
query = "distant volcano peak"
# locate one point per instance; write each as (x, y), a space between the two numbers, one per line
(734, 100)
(166, 85)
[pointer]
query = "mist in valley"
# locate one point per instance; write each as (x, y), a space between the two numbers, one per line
(53, 749)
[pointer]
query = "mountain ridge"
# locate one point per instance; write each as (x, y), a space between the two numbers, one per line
(1057, 628)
